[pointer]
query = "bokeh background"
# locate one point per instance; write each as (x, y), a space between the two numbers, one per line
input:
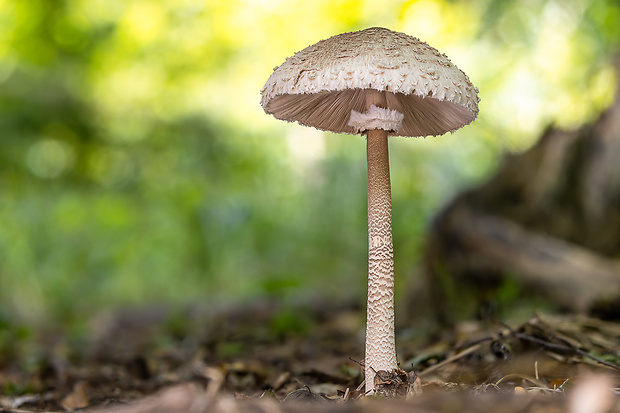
(138, 167)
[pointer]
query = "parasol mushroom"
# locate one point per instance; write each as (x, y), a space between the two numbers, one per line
(380, 83)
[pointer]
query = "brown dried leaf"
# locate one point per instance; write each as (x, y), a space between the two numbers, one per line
(78, 398)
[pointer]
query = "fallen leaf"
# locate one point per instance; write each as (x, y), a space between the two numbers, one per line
(78, 398)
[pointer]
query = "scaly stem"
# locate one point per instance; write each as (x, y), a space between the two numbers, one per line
(380, 340)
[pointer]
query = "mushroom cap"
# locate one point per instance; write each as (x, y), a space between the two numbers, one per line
(320, 85)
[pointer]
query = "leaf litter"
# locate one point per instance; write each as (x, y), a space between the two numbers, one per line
(242, 359)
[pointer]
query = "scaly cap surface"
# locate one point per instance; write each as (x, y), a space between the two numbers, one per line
(320, 85)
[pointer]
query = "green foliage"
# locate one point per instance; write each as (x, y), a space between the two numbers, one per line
(290, 322)
(136, 164)
(11, 337)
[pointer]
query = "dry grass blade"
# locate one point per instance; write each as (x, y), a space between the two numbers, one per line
(449, 360)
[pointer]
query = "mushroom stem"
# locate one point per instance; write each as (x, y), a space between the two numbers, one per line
(380, 340)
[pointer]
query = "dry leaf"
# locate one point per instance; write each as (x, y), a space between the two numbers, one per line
(78, 398)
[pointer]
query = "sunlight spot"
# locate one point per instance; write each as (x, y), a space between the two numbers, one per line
(144, 21)
(423, 18)
(306, 145)
(49, 158)
(307, 148)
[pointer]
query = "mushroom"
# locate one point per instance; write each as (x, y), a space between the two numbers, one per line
(380, 83)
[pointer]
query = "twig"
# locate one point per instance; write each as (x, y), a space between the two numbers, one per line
(564, 347)
(450, 359)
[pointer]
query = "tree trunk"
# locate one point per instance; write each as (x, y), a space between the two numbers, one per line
(549, 218)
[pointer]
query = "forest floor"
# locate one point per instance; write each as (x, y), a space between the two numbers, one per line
(259, 357)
